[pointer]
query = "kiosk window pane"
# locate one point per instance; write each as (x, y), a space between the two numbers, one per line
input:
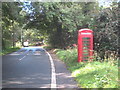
(86, 44)
(85, 47)
(85, 57)
(85, 60)
(86, 38)
(86, 41)
(84, 54)
(85, 50)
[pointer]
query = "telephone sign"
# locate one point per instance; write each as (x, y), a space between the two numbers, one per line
(85, 45)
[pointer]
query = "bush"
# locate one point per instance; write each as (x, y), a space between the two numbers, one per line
(68, 56)
(48, 47)
(94, 74)
(9, 50)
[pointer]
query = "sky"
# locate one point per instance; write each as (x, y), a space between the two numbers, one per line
(101, 1)
(104, 3)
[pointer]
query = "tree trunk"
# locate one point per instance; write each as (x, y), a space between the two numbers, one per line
(118, 31)
(13, 35)
(59, 34)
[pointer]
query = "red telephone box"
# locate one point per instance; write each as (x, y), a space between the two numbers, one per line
(85, 45)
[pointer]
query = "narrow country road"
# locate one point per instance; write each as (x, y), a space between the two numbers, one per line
(33, 67)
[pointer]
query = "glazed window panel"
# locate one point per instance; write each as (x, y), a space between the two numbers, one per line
(86, 38)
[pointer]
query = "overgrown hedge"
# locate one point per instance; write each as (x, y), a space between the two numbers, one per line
(9, 50)
(94, 74)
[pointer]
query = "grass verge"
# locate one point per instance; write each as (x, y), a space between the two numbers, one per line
(90, 74)
(9, 50)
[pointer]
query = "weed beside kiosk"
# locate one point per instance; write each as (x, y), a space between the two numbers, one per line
(85, 45)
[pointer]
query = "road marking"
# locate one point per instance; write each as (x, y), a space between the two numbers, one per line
(22, 58)
(53, 74)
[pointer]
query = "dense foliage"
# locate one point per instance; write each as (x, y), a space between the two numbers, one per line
(62, 20)
(59, 22)
(11, 20)
(94, 74)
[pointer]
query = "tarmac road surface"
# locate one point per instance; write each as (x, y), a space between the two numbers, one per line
(33, 67)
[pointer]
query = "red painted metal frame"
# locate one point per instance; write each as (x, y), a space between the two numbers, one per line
(85, 33)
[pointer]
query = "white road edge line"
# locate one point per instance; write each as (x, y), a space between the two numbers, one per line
(53, 74)
(22, 58)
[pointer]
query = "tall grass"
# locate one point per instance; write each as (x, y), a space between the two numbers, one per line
(9, 50)
(94, 74)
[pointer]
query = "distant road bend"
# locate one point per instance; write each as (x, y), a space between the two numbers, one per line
(33, 67)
